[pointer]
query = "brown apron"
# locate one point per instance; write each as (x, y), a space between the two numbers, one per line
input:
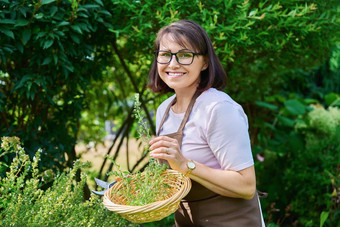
(202, 207)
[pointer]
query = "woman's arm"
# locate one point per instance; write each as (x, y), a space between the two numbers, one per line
(236, 184)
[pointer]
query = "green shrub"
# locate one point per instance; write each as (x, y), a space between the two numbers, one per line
(24, 203)
(49, 52)
(300, 170)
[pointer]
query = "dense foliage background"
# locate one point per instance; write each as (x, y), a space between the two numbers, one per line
(69, 66)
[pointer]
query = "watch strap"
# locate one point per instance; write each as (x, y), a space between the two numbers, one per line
(190, 168)
(189, 171)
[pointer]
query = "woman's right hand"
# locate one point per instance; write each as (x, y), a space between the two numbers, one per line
(167, 148)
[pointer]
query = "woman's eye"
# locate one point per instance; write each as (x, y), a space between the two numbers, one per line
(184, 55)
(165, 54)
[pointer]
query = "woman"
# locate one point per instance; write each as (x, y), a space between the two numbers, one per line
(202, 132)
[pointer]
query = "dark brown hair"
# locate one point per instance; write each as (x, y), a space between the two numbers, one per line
(183, 32)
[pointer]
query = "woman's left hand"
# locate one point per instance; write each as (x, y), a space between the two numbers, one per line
(167, 148)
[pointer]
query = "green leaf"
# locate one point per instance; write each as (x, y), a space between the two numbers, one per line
(8, 33)
(26, 35)
(9, 49)
(38, 16)
(286, 121)
(323, 217)
(45, 2)
(39, 35)
(295, 107)
(105, 12)
(69, 68)
(99, 2)
(336, 102)
(55, 59)
(63, 23)
(54, 9)
(22, 82)
(19, 46)
(21, 22)
(75, 39)
(89, 6)
(7, 21)
(266, 105)
(330, 98)
(77, 29)
(310, 101)
(48, 43)
(23, 11)
(252, 13)
(83, 26)
(47, 61)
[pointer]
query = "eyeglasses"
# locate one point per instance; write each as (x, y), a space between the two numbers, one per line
(182, 57)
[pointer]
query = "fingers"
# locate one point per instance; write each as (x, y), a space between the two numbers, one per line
(167, 148)
(162, 138)
(163, 141)
(161, 152)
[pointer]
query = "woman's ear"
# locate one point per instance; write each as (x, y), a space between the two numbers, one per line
(206, 63)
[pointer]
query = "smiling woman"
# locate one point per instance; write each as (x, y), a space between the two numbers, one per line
(181, 73)
(202, 132)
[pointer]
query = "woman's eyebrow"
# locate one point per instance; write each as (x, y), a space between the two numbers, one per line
(182, 50)
(186, 49)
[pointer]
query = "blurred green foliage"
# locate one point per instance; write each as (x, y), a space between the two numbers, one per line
(299, 153)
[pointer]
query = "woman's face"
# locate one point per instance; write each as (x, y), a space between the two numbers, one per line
(180, 77)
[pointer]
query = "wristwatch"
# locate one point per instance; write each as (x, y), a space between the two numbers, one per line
(191, 166)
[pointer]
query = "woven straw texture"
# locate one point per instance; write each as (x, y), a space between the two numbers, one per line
(180, 187)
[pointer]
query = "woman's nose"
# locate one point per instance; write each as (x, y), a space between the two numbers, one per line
(174, 62)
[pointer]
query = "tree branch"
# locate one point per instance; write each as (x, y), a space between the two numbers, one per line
(129, 74)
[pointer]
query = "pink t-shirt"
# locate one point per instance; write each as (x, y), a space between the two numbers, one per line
(216, 133)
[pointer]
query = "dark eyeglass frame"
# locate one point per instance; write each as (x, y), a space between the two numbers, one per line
(172, 54)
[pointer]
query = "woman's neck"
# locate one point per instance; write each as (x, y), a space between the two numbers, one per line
(183, 99)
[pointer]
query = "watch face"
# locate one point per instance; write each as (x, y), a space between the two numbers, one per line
(191, 165)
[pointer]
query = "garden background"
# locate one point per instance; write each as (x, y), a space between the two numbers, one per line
(69, 70)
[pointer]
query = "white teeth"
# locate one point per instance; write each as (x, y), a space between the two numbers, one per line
(175, 74)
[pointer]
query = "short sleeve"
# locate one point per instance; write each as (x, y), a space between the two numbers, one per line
(228, 137)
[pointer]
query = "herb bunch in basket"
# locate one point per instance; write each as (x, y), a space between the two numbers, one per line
(151, 185)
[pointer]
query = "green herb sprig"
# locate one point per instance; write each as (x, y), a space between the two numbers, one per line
(143, 128)
(141, 189)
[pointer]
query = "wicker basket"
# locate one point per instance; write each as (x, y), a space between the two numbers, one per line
(180, 187)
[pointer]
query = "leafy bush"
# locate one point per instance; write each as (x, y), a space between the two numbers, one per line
(49, 52)
(300, 153)
(24, 203)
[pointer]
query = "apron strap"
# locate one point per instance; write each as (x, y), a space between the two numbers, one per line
(165, 115)
(188, 111)
(186, 116)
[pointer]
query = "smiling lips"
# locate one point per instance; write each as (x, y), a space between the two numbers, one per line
(175, 74)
